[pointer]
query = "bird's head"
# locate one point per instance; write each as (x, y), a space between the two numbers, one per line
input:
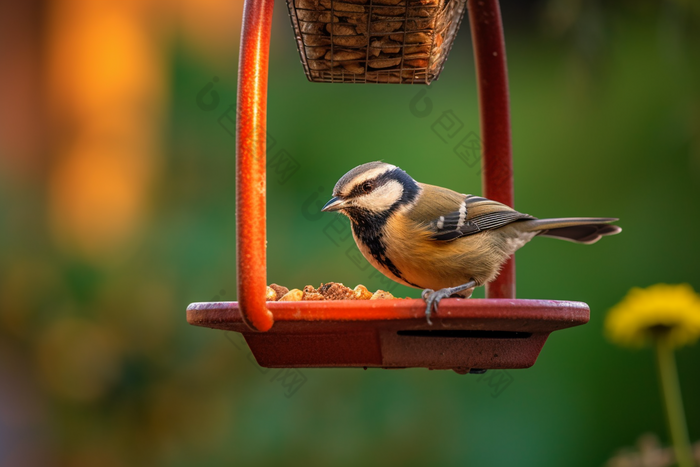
(375, 189)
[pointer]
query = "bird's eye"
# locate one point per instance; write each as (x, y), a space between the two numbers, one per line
(367, 187)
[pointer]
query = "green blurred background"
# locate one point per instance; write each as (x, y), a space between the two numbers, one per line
(117, 209)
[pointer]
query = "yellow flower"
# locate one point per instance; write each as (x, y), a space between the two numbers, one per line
(671, 311)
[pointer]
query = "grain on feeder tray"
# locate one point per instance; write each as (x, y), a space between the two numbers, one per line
(294, 295)
(311, 294)
(327, 291)
(361, 293)
(382, 295)
(280, 289)
(270, 295)
(336, 291)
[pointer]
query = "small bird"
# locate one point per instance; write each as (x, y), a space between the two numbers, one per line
(436, 239)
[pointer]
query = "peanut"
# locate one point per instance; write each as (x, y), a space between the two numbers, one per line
(308, 15)
(312, 296)
(345, 55)
(417, 49)
(420, 12)
(326, 17)
(415, 56)
(341, 29)
(384, 62)
(342, 6)
(390, 11)
(350, 14)
(280, 290)
(361, 293)
(419, 63)
(382, 295)
(350, 41)
(359, 19)
(312, 39)
(390, 47)
(312, 28)
(293, 295)
(418, 24)
(385, 26)
(315, 52)
(319, 65)
(307, 4)
(354, 67)
(336, 291)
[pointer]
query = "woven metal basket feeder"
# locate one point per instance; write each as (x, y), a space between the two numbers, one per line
(375, 41)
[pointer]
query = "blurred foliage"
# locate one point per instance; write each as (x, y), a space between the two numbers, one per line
(647, 453)
(117, 210)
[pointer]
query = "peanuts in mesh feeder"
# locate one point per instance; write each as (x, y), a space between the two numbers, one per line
(375, 41)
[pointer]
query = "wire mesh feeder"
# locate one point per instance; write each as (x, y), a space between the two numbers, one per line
(375, 41)
(467, 334)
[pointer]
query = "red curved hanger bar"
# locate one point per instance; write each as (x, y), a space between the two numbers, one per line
(492, 79)
(250, 163)
(494, 111)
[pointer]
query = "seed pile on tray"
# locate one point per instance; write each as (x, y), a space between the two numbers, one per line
(375, 41)
(327, 291)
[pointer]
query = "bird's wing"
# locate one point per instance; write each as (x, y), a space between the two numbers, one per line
(450, 215)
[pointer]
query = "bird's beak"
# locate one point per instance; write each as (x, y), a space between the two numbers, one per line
(334, 204)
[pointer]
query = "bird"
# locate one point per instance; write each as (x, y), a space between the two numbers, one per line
(444, 242)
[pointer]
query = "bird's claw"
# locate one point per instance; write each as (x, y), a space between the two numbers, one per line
(432, 300)
(432, 297)
(427, 295)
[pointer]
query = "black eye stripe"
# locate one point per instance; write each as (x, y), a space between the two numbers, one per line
(410, 188)
(361, 188)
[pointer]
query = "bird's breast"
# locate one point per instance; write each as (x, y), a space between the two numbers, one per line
(419, 261)
(375, 246)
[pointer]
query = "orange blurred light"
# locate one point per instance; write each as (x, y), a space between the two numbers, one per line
(106, 91)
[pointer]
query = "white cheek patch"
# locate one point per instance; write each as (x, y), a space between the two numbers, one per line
(382, 198)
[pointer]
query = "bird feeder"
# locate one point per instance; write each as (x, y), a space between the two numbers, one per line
(375, 41)
(499, 332)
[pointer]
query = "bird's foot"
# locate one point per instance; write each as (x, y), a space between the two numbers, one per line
(432, 297)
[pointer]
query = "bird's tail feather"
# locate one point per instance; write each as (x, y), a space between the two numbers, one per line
(574, 229)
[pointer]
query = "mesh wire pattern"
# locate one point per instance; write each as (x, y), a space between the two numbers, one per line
(375, 41)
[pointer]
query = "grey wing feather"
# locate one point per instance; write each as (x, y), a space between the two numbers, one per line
(489, 221)
(475, 214)
(450, 215)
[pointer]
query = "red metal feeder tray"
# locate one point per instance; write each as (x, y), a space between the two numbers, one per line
(476, 334)
(466, 334)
